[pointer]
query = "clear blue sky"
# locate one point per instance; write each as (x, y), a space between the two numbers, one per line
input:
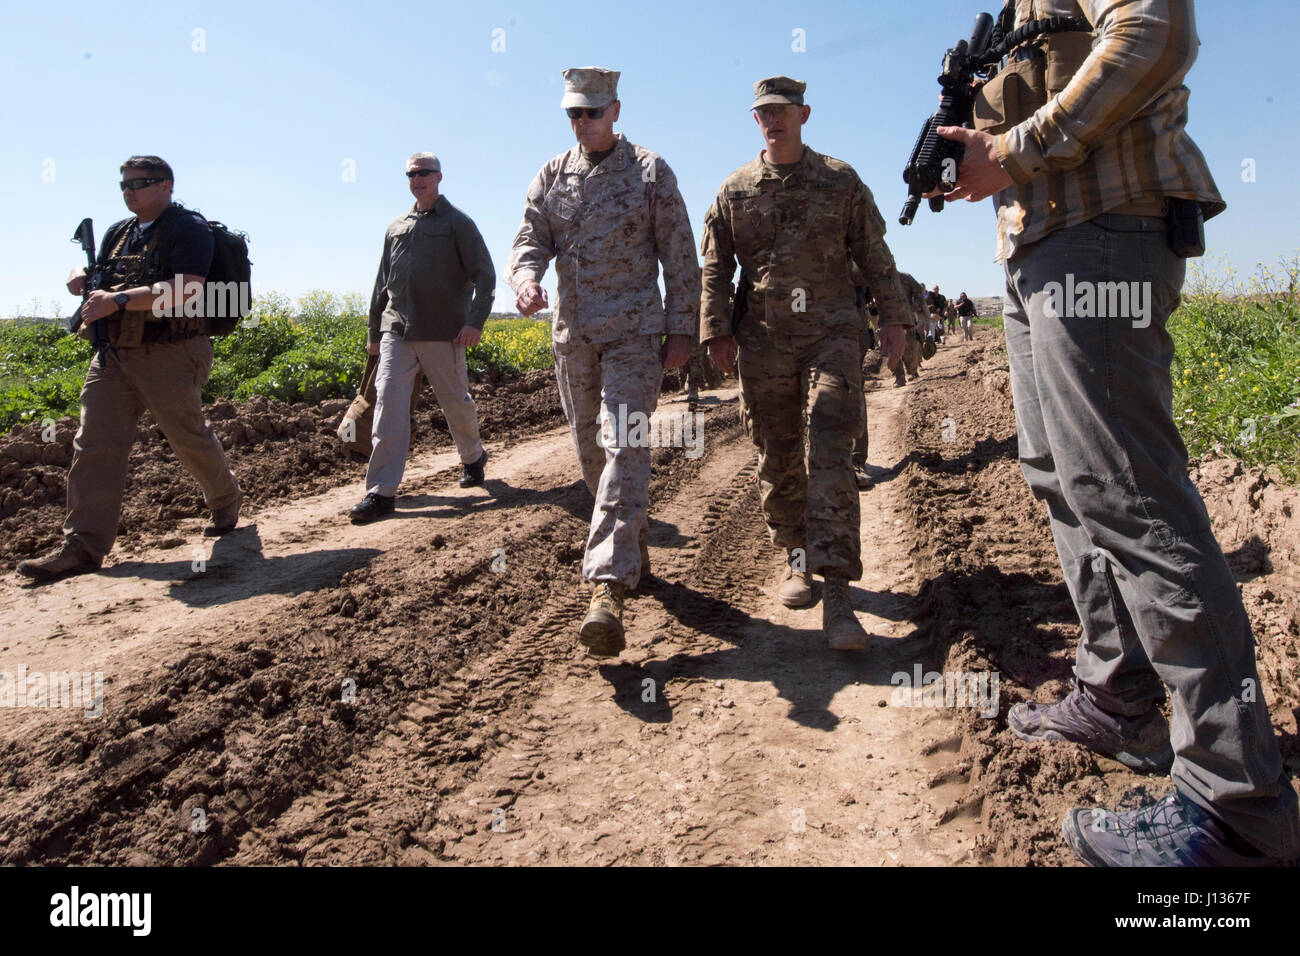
(259, 125)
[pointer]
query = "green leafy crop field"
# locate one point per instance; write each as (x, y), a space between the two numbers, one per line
(308, 351)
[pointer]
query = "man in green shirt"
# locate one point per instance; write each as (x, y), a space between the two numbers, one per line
(422, 318)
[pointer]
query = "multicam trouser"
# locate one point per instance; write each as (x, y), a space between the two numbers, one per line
(912, 352)
(808, 388)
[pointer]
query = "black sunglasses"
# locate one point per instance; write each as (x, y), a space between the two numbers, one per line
(593, 112)
(138, 183)
(412, 173)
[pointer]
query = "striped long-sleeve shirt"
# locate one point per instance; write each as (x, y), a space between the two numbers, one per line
(1116, 134)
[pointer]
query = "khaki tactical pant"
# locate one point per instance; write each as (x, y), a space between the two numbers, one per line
(167, 379)
(797, 391)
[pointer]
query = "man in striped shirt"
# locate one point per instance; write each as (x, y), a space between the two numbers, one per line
(1084, 188)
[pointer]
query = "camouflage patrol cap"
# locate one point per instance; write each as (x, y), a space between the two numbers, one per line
(778, 90)
(589, 86)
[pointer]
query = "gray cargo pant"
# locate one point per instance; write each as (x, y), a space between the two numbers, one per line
(167, 378)
(1158, 604)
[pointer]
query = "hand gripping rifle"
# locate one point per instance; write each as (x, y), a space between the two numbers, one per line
(85, 236)
(934, 160)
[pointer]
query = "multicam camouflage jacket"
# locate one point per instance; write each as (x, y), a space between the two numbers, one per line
(794, 237)
(608, 227)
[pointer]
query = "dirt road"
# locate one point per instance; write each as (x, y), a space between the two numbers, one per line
(411, 692)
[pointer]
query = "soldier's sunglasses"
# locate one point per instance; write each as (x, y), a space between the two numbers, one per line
(138, 183)
(412, 173)
(593, 112)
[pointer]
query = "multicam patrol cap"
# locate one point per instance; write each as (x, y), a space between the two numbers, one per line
(778, 90)
(589, 86)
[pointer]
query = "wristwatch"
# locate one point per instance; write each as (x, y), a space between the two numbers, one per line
(121, 299)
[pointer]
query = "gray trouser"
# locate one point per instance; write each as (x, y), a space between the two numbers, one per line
(1158, 604)
(400, 363)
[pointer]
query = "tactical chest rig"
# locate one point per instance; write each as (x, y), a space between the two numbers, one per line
(149, 265)
(1042, 56)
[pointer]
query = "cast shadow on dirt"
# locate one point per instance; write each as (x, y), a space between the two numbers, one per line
(986, 451)
(573, 498)
(236, 569)
(795, 660)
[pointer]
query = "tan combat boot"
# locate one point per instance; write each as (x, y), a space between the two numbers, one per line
(602, 628)
(839, 623)
(65, 562)
(796, 587)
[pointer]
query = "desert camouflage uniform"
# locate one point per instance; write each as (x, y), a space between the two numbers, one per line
(608, 226)
(799, 340)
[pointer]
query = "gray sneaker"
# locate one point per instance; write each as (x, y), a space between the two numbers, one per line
(1139, 743)
(1173, 832)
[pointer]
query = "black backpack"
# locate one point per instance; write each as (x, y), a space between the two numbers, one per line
(230, 263)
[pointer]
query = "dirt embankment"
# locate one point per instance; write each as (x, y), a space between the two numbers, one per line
(278, 451)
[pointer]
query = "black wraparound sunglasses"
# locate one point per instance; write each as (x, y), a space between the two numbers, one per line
(412, 173)
(593, 112)
(138, 183)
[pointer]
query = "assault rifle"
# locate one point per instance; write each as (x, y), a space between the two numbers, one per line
(934, 160)
(85, 236)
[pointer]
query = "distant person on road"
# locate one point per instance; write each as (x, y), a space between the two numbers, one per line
(422, 318)
(158, 360)
(950, 316)
(966, 313)
(1101, 183)
(609, 213)
(936, 303)
(793, 219)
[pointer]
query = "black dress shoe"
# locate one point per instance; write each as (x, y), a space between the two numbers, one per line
(370, 507)
(472, 474)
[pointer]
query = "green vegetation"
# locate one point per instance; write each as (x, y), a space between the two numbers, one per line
(1237, 369)
(313, 351)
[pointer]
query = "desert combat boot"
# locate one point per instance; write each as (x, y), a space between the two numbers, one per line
(602, 628)
(839, 623)
(796, 586)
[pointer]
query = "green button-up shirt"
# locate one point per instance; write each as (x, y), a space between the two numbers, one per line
(432, 262)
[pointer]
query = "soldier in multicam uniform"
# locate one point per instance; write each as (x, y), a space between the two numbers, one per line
(608, 212)
(793, 218)
(911, 358)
